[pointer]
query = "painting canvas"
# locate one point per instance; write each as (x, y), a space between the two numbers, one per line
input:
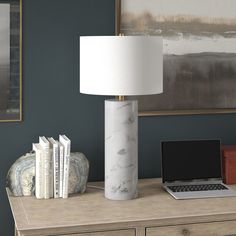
(199, 44)
(4, 54)
(10, 66)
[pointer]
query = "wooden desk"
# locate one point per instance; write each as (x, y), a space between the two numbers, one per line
(154, 213)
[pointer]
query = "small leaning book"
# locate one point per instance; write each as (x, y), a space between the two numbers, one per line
(67, 147)
(55, 158)
(48, 175)
(61, 167)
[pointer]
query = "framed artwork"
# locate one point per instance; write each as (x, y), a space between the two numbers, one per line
(10, 60)
(199, 46)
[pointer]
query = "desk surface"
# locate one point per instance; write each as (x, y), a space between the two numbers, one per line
(154, 205)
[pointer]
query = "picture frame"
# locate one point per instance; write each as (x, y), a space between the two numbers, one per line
(11, 60)
(199, 65)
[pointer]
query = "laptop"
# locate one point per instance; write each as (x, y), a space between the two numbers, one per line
(192, 169)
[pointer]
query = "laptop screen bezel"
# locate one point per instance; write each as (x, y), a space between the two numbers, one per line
(162, 167)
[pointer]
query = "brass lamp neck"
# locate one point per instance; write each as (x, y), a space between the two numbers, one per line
(120, 98)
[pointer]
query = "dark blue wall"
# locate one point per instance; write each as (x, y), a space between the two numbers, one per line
(53, 105)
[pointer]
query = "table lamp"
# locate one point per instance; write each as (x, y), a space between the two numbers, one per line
(121, 66)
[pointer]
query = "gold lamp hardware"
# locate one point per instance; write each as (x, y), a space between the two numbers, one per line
(120, 98)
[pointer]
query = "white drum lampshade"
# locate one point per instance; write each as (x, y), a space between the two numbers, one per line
(121, 66)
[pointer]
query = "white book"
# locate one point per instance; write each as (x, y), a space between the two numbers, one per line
(55, 157)
(39, 171)
(67, 146)
(48, 184)
(61, 167)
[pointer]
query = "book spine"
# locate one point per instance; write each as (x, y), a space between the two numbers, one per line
(51, 175)
(65, 176)
(67, 145)
(42, 173)
(66, 170)
(61, 166)
(56, 171)
(47, 174)
(48, 167)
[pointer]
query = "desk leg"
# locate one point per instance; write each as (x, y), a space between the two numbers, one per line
(16, 232)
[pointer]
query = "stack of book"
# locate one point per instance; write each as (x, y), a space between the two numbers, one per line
(52, 167)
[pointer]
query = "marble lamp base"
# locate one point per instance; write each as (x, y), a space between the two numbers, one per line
(121, 149)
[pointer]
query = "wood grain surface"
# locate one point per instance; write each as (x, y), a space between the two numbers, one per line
(91, 212)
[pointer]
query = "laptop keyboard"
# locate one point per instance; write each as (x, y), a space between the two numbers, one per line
(200, 187)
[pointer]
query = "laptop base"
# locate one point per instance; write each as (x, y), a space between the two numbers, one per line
(199, 194)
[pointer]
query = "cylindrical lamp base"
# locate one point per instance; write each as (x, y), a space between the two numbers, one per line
(121, 149)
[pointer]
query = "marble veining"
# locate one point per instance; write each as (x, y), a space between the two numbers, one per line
(122, 152)
(121, 149)
(125, 105)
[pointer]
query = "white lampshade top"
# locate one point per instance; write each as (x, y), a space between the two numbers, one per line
(121, 65)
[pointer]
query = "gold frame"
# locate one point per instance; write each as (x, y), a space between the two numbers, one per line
(169, 112)
(20, 69)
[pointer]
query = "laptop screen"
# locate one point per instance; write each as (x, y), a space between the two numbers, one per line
(188, 160)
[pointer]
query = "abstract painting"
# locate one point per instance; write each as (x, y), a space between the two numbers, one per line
(199, 43)
(4, 54)
(10, 60)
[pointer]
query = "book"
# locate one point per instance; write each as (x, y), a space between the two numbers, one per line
(48, 177)
(67, 146)
(55, 158)
(39, 171)
(61, 167)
